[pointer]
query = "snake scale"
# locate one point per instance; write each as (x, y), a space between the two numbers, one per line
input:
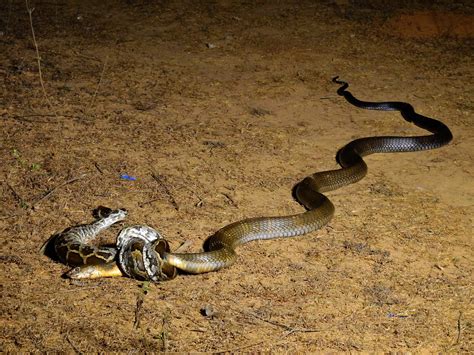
(142, 253)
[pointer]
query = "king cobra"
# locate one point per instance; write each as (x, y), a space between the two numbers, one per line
(142, 253)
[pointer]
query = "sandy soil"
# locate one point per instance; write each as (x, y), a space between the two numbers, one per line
(218, 109)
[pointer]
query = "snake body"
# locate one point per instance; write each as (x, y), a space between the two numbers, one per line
(73, 245)
(143, 257)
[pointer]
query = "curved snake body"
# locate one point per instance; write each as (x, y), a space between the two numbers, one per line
(73, 245)
(144, 257)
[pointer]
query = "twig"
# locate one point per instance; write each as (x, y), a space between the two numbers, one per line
(20, 200)
(79, 54)
(73, 289)
(171, 199)
(51, 191)
(98, 167)
(184, 246)
(72, 344)
(459, 328)
(231, 200)
(98, 84)
(141, 204)
(26, 118)
(38, 58)
(164, 335)
(138, 311)
(289, 330)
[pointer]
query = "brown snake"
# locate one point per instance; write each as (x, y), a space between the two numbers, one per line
(144, 254)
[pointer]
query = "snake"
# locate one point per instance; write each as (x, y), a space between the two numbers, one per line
(142, 253)
(73, 246)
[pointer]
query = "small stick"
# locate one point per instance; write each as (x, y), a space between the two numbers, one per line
(171, 199)
(26, 118)
(141, 204)
(72, 344)
(164, 335)
(51, 191)
(290, 330)
(20, 200)
(98, 167)
(138, 311)
(185, 245)
(459, 328)
(231, 200)
(46, 195)
(38, 58)
(98, 84)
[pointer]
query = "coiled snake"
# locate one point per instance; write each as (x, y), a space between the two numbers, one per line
(144, 254)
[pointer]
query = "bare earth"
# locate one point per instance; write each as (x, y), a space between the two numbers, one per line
(218, 109)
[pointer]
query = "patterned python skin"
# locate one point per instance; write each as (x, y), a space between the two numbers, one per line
(137, 252)
(145, 255)
(73, 248)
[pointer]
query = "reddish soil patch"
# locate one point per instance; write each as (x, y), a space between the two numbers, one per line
(432, 24)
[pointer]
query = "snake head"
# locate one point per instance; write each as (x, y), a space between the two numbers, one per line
(104, 212)
(94, 271)
(141, 251)
(155, 265)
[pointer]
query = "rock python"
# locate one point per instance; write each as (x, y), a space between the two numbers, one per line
(142, 253)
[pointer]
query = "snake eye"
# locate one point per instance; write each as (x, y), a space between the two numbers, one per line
(101, 212)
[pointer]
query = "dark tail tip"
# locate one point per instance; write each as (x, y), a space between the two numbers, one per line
(340, 82)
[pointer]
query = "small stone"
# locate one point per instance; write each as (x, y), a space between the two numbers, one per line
(208, 311)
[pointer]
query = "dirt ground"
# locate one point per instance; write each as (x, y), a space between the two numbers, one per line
(218, 108)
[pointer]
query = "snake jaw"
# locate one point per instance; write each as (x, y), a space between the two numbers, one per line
(141, 254)
(153, 260)
(94, 271)
(102, 212)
